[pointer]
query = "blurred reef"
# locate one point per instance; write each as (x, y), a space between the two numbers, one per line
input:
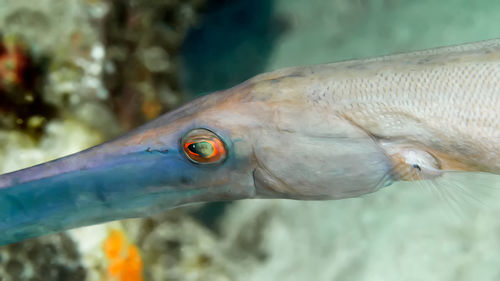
(75, 73)
(21, 80)
(114, 60)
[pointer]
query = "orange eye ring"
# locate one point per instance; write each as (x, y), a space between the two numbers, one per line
(202, 146)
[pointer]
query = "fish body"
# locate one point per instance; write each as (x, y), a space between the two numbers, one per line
(444, 100)
(320, 132)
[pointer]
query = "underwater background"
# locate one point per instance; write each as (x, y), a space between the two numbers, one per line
(75, 73)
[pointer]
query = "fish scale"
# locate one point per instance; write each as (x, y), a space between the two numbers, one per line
(447, 100)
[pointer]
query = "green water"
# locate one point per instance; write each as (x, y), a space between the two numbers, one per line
(326, 31)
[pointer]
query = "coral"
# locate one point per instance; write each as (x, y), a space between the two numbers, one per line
(13, 62)
(49, 258)
(125, 262)
(21, 76)
(59, 62)
(143, 42)
(174, 246)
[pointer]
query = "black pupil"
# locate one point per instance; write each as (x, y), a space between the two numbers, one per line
(192, 148)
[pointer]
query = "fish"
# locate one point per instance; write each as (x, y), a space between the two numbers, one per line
(321, 132)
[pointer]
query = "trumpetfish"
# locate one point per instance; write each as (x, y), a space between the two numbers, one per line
(318, 132)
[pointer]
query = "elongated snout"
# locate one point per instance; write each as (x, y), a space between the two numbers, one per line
(115, 187)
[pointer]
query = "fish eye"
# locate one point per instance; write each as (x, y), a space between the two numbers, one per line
(202, 146)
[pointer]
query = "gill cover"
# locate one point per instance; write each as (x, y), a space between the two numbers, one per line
(319, 156)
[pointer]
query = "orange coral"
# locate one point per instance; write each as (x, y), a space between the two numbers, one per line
(13, 62)
(151, 108)
(125, 262)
